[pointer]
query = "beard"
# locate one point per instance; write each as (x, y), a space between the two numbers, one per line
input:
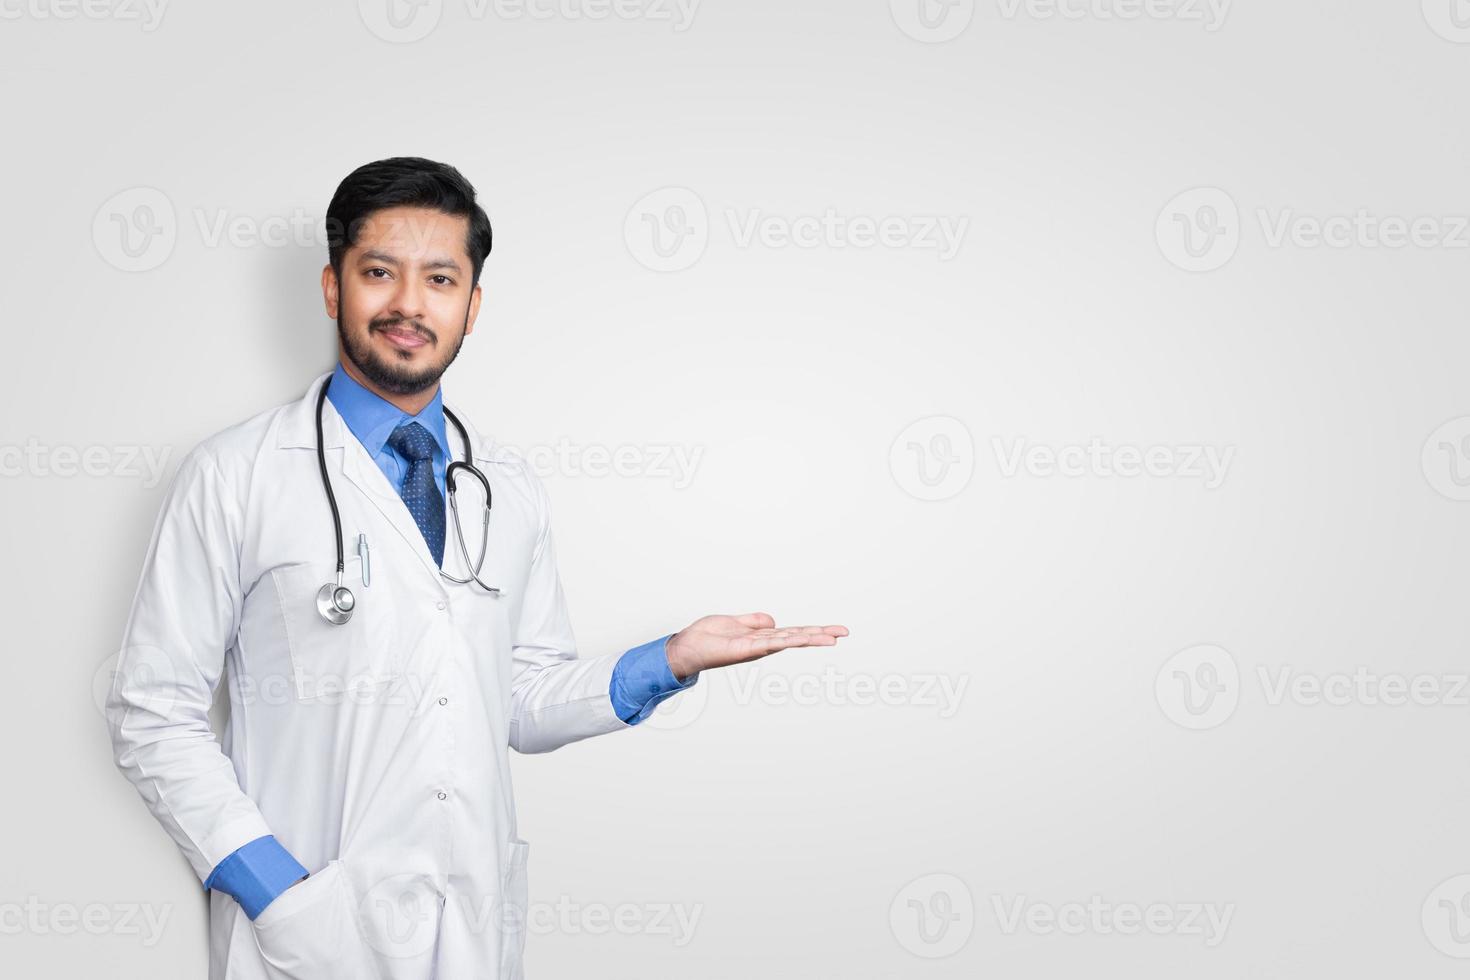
(393, 375)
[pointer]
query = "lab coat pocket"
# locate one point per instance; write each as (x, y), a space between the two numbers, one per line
(514, 910)
(357, 661)
(311, 931)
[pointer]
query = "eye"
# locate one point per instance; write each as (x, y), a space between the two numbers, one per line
(377, 269)
(446, 281)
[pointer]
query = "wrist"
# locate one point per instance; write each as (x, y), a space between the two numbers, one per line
(679, 663)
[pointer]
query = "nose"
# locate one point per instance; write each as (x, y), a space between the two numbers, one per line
(407, 301)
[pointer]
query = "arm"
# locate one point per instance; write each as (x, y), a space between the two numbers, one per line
(643, 679)
(184, 615)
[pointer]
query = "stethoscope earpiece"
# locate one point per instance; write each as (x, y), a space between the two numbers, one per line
(335, 603)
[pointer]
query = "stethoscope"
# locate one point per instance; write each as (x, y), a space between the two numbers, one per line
(335, 601)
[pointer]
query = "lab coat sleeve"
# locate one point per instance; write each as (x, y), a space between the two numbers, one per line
(184, 616)
(556, 697)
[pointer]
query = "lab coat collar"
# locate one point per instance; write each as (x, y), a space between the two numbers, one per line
(297, 429)
(372, 418)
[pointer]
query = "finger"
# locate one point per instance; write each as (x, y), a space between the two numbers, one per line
(757, 620)
(782, 641)
(829, 630)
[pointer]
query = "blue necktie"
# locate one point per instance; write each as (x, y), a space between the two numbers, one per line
(420, 490)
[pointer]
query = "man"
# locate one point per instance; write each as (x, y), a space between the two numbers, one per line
(373, 700)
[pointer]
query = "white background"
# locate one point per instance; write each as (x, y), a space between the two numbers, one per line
(1088, 150)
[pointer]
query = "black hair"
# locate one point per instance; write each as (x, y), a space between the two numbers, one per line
(404, 182)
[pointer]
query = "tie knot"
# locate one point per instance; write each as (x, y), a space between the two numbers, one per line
(412, 441)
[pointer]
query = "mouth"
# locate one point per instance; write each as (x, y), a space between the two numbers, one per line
(404, 339)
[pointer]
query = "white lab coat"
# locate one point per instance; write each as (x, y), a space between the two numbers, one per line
(375, 752)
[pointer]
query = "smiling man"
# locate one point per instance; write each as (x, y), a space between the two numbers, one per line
(358, 819)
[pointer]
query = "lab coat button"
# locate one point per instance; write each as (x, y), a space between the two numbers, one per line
(443, 795)
(439, 604)
(443, 700)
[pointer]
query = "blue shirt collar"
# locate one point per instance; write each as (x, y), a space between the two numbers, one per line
(373, 418)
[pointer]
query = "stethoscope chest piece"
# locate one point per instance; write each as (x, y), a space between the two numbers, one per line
(335, 602)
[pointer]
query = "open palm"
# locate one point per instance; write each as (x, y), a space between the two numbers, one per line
(718, 641)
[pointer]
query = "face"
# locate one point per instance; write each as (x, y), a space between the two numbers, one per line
(404, 302)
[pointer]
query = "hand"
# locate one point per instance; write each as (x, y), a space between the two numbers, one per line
(718, 641)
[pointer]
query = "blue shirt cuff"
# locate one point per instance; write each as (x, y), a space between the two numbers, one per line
(256, 873)
(642, 678)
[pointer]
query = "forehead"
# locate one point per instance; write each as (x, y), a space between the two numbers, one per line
(413, 232)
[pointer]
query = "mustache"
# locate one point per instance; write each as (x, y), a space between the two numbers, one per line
(398, 322)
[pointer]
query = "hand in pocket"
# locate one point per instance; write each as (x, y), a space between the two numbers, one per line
(311, 932)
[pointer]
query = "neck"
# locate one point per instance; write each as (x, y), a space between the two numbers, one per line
(412, 404)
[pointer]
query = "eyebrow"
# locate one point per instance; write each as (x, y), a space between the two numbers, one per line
(438, 262)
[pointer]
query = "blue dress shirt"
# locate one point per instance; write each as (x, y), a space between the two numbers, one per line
(260, 870)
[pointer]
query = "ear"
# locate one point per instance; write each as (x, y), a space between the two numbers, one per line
(469, 323)
(330, 294)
